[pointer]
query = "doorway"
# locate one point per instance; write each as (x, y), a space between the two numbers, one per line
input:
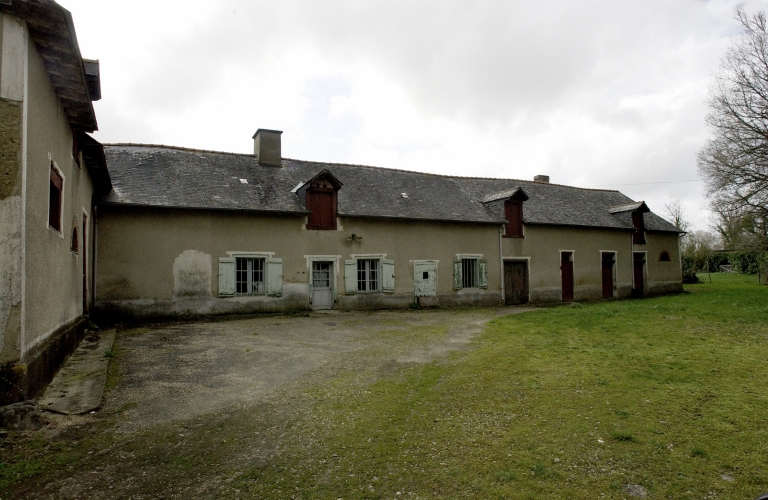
(515, 283)
(322, 285)
(566, 270)
(638, 283)
(85, 264)
(609, 260)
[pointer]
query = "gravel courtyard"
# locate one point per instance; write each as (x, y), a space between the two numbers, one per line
(218, 396)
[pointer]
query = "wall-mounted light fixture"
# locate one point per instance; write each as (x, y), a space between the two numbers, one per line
(354, 237)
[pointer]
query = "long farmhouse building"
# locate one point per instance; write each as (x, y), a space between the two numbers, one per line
(188, 233)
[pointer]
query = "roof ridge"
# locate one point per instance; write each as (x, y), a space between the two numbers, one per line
(180, 148)
(454, 176)
(194, 150)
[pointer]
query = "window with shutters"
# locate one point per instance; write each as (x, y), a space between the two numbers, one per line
(55, 190)
(258, 274)
(368, 275)
(470, 272)
(513, 213)
(249, 278)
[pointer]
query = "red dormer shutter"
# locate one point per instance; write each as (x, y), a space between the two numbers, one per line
(637, 220)
(322, 205)
(513, 212)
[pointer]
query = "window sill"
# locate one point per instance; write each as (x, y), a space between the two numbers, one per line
(321, 228)
(517, 237)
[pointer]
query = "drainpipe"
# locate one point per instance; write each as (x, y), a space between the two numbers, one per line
(501, 260)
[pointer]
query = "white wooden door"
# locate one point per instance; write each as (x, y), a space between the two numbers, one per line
(322, 285)
(424, 279)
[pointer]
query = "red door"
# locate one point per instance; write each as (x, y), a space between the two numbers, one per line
(639, 272)
(608, 260)
(566, 268)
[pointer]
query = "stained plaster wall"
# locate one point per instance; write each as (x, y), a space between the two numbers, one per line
(662, 277)
(13, 41)
(161, 262)
(542, 245)
(53, 273)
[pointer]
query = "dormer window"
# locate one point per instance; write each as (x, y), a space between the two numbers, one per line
(322, 201)
(513, 213)
(637, 221)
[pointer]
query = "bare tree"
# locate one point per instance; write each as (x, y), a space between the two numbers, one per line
(676, 213)
(734, 162)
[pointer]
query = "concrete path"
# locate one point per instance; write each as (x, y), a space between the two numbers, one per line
(78, 387)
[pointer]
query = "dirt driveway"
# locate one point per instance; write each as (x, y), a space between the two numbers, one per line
(189, 405)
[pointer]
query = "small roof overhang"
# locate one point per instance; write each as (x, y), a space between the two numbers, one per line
(638, 206)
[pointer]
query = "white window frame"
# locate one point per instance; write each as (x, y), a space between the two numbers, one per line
(249, 282)
(367, 279)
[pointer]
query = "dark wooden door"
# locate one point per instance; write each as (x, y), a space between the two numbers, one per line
(566, 269)
(639, 268)
(515, 283)
(608, 260)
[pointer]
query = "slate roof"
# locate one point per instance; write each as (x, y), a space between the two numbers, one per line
(163, 176)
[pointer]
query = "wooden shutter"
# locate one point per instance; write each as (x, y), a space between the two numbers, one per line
(387, 275)
(457, 274)
(226, 276)
(513, 212)
(55, 199)
(350, 277)
(275, 277)
(482, 273)
(322, 205)
(637, 221)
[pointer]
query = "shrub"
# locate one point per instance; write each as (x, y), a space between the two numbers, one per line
(689, 271)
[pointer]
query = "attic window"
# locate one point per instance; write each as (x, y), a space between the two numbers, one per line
(664, 256)
(54, 198)
(513, 213)
(75, 148)
(637, 220)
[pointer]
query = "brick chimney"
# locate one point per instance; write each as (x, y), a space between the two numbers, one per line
(266, 147)
(541, 178)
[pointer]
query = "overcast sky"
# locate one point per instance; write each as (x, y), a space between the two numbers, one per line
(607, 94)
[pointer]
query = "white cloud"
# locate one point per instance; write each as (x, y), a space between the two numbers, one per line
(592, 93)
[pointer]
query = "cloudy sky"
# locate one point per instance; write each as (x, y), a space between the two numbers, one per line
(606, 94)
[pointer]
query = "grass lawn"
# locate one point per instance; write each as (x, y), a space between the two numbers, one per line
(668, 393)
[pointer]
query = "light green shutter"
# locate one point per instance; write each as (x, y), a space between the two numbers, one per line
(387, 275)
(457, 274)
(350, 276)
(275, 277)
(226, 276)
(482, 274)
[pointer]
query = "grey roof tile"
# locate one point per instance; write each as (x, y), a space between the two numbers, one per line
(175, 177)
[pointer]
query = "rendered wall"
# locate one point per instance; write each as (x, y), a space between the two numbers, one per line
(662, 277)
(144, 255)
(52, 273)
(542, 245)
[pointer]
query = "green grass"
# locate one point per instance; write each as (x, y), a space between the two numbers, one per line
(669, 393)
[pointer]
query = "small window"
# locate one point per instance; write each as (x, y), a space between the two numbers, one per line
(513, 212)
(75, 246)
(425, 275)
(54, 199)
(468, 273)
(250, 276)
(664, 256)
(368, 275)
